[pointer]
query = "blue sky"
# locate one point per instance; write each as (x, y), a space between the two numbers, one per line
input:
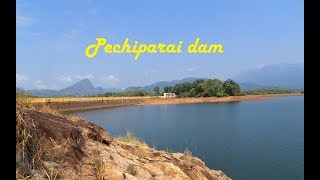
(52, 37)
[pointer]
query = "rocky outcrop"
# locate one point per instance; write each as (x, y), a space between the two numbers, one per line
(77, 149)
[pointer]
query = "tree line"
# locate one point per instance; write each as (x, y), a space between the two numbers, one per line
(269, 91)
(205, 88)
(124, 94)
(198, 88)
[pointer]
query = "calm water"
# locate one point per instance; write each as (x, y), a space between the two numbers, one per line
(246, 140)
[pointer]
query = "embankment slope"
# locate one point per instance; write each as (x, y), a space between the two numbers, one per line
(74, 104)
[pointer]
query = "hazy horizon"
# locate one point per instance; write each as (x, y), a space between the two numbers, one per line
(136, 85)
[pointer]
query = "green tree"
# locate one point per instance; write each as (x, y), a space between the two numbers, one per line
(195, 83)
(142, 93)
(192, 92)
(219, 94)
(168, 89)
(231, 88)
(205, 93)
(156, 90)
(215, 86)
(200, 88)
(181, 88)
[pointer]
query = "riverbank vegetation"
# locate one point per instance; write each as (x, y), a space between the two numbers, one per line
(199, 88)
(206, 88)
(124, 94)
(268, 91)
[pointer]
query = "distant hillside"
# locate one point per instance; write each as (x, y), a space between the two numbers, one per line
(81, 88)
(251, 86)
(162, 84)
(43, 92)
(134, 88)
(101, 89)
(289, 76)
(275, 75)
(19, 89)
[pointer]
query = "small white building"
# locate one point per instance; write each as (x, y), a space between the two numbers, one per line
(169, 95)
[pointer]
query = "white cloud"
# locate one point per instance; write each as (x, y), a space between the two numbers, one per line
(40, 85)
(260, 66)
(190, 69)
(92, 11)
(24, 20)
(71, 78)
(110, 79)
(21, 18)
(35, 34)
(65, 78)
(69, 12)
(76, 30)
(150, 72)
(21, 78)
(87, 76)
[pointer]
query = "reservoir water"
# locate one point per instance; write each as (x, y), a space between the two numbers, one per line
(246, 140)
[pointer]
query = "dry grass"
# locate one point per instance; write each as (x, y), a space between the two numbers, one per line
(55, 151)
(142, 152)
(31, 147)
(187, 152)
(131, 170)
(21, 177)
(53, 173)
(23, 101)
(84, 99)
(129, 137)
(74, 119)
(100, 168)
(46, 109)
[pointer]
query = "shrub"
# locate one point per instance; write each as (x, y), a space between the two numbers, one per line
(219, 94)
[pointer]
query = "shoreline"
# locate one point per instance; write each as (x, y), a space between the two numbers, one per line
(168, 101)
(214, 99)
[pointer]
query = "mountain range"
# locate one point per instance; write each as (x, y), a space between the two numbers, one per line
(81, 88)
(289, 76)
(162, 84)
(277, 75)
